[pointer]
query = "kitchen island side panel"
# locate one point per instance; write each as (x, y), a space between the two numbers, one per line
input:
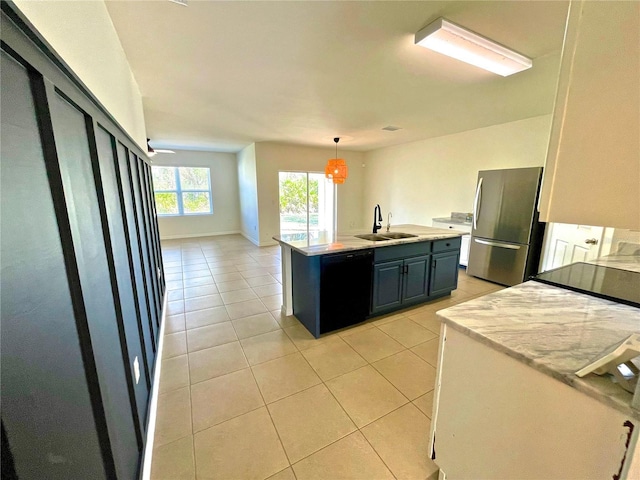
(305, 278)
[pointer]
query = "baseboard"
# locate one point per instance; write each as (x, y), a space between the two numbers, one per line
(195, 235)
(252, 240)
(269, 244)
(214, 234)
(147, 454)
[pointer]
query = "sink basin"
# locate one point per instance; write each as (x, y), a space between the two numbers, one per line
(374, 237)
(381, 237)
(396, 235)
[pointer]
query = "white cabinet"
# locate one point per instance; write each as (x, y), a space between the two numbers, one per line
(593, 162)
(466, 239)
(495, 417)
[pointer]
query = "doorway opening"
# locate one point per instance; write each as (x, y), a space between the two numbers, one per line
(307, 203)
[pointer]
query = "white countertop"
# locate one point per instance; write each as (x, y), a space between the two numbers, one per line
(322, 243)
(553, 330)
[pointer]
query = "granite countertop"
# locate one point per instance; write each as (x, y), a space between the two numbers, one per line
(553, 330)
(322, 243)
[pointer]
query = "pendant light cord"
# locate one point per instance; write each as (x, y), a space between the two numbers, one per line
(336, 139)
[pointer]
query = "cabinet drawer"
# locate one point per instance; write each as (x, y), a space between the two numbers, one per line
(446, 244)
(394, 252)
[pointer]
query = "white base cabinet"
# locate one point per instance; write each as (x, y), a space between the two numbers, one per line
(497, 418)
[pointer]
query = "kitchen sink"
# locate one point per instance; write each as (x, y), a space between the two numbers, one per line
(374, 237)
(396, 235)
(381, 237)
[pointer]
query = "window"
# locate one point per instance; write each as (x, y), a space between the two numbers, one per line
(182, 190)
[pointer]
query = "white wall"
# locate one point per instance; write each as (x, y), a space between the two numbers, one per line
(248, 190)
(431, 178)
(224, 190)
(83, 35)
(274, 157)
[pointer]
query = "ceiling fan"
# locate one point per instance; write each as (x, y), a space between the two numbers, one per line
(152, 151)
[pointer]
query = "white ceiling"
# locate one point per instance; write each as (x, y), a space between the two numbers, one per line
(221, 75)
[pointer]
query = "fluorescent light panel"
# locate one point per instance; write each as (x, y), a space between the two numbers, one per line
(454, 41)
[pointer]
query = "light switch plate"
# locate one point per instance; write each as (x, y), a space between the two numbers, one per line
(136, 369)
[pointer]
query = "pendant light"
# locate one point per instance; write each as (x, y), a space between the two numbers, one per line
(336, 168)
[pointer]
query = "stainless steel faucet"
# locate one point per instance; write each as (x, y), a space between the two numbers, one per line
(389, 221)
(377, 217)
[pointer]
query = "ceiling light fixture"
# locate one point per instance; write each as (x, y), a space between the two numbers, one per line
(336, 168)
(454, 41)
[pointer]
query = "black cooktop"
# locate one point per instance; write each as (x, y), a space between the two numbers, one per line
(621, 286)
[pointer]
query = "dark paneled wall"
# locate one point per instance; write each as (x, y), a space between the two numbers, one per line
(82, 279)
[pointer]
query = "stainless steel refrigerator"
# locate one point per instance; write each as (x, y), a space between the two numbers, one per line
(506, 236)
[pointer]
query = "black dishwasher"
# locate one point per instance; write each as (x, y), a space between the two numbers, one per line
(345, 289)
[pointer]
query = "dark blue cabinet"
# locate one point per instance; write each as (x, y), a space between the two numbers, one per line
(444, 273)
(416, 279)
(413, 273)
(387, 286)
(399, 283)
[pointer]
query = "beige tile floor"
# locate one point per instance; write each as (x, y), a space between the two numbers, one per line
(246, 393)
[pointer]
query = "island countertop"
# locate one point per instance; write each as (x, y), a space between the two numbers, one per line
(323, 243)
(553, 330)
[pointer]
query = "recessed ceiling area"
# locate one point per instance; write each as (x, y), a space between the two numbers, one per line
(222, 75)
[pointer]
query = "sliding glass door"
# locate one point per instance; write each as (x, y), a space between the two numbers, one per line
(306, 203)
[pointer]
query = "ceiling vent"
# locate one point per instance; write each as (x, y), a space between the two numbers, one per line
(391, 128)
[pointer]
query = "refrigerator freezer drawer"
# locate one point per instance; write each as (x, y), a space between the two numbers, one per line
(499, 262)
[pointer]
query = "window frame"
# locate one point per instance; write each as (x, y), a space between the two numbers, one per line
(179, 191)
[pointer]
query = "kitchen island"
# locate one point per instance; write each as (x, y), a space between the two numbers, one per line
(507, 402)
(332, 281)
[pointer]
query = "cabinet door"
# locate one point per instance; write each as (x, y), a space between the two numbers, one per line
(387, 286)
(416, 279)
(444, 273)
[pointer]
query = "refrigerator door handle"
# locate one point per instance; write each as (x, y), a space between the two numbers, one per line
(497, 244)
(476, 203)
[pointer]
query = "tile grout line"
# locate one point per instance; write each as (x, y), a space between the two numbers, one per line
(300, 350)
(253, 375)
(193, 433)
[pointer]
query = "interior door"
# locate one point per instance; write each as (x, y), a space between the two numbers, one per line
(566, 244)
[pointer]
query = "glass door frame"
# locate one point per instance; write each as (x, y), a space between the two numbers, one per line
(329, 192)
